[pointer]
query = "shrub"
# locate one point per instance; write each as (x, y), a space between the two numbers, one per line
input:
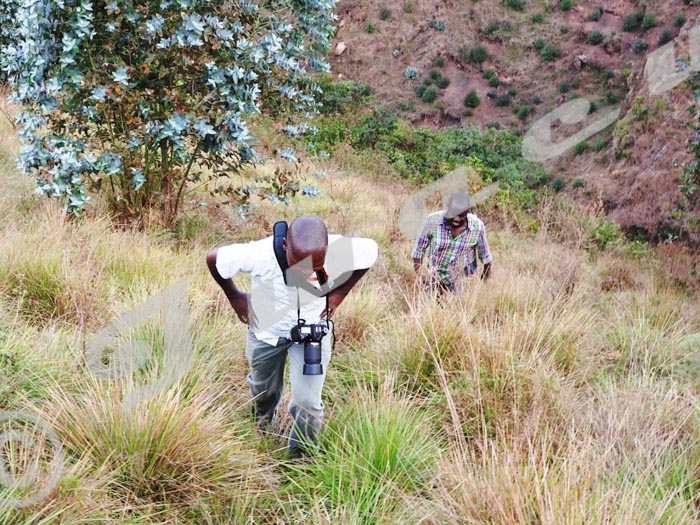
(593, 107)
(537, 18)
(170, 97)
(369, 27)
(503, 100)
(411, 73)
(564, 30)
(408, 7)
(581, 147)
(439, 62)
(595, 38)
(514, 4)
(577, 183)
(512, 92)
(679, 20)
(599, 145)
(596, 14)
(550, 52)
(438, 25)
(384, 13)
(494, 82)
(640, 46)
(633, 22)
(491, 28)
(558, 184)
(537, 101)
(523, 112)
(472, 100)
(443, 82)
(610, 98)
(379, 123)
(566, 5)
(648, 21)
(564, 86)
(608, 233)
(478, 54)
(539, 44)
(666, 36)
(429, 94)
(492, 93)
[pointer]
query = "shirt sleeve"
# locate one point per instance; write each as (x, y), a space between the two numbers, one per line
(482, 246)
(423, 239)
(236, 258)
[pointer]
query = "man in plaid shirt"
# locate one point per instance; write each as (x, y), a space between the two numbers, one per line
(454, 239)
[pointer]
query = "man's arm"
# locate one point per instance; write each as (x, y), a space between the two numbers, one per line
(421, 245)
(238, 299)
(484, 253)
(337, 296)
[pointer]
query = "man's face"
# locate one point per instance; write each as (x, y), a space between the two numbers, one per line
(457, 221)
(306, 265)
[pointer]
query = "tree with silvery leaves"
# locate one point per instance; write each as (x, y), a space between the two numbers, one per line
(138, 98)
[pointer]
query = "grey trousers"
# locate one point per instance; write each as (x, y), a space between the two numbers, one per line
(266, 380)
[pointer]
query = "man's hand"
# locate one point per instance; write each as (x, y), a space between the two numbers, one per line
(334, 300)
(240, 305)
(487, 271)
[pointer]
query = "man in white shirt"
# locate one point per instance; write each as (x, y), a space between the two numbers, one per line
(319, 271)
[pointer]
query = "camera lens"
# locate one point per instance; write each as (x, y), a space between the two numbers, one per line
(312, 358)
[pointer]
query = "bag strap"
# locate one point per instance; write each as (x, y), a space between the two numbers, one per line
(279, 233)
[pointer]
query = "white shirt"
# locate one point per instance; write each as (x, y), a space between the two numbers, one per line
(273, 304)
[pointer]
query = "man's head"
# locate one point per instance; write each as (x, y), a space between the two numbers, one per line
(457, 208)
(306, 244)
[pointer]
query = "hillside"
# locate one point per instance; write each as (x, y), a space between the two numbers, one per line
(536, 59)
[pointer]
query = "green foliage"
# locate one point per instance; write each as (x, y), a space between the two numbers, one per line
(610, 98)
(690, 180)
(596, 14)
(524, 112)
(439, 61)
(341, 96)
(491, 28)
(595, 38)
(539, 44)
(478, 54)
(558, 184)
(503, 100)
(408, 7)
(581, 147)
(577, 183)
(384, 13)
(438, 25)
(494, 82)
(429, 94)
(488, 74)
(666, 36)
(564, 86)
(599, 145)
(138, 101)
(648, 21)
(471, 99)
(443, 82)
(608, 233)
(640, 46)
(369, 27)
(514, 4)
(633, 22)
(566, 5)
(537, 18)
(679, 20)
(379, 123)
(550, 53)
(564, 30)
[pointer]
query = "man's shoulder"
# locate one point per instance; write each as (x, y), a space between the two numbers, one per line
(475, 223)
(435, 217)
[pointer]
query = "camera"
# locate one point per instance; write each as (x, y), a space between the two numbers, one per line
(310, 335)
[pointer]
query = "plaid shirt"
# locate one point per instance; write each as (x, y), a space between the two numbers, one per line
(447, 253)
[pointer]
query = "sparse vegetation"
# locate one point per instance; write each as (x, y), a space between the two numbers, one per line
(539, 44)
(439, 61)
(640, 46)
(488, 74)
(369, 27)
(503, 100)
(679, 20)
(494, 82)
(408, 7)
(537, 18)
(577, 183)
(478, 54)
(596, 14)
(648, 21)
(384, 13)
(633, 21)
(514, 4)
(595, 38)
(550, 52)
(581, 147)
(666, 36)
(471, 99)
(566, 5)
(564, 86)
